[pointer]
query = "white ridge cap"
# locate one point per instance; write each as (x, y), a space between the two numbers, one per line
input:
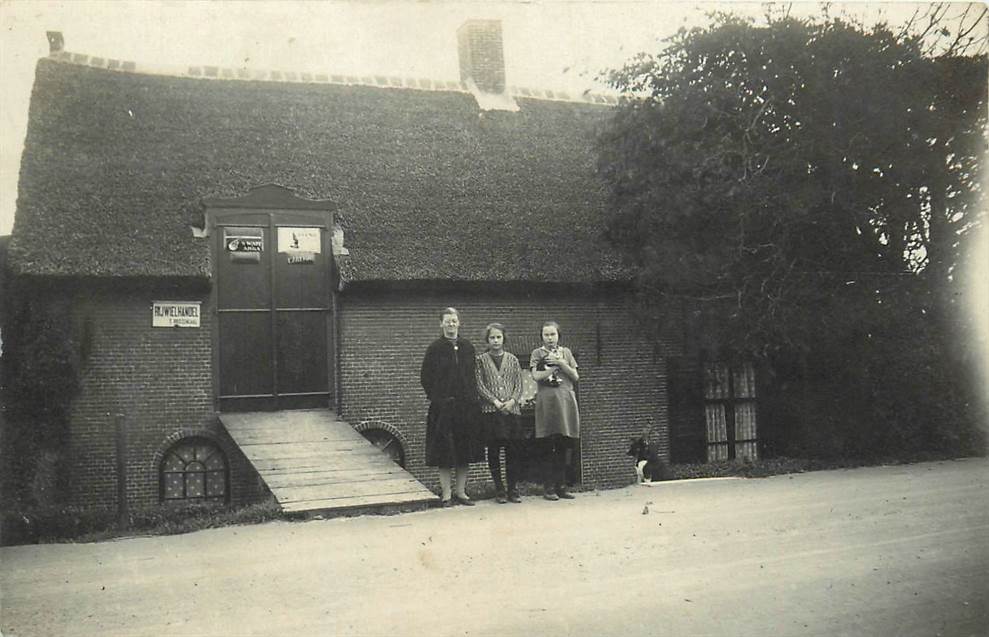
(492, 101)
(486, 101)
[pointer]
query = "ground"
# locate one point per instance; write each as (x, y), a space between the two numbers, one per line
(900, 550)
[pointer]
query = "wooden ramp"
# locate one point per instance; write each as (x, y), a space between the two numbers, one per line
(313, 462)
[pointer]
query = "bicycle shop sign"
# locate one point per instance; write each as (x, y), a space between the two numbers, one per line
(175, 314)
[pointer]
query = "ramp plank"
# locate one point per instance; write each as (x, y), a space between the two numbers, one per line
(352, 503)
(308, 450)
(313, 462)
(350, 489)
(318, 463)
(327, 477)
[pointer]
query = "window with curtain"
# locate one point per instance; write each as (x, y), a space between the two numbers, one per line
(730, 411)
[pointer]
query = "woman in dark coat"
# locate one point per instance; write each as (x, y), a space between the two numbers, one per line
(452, 437)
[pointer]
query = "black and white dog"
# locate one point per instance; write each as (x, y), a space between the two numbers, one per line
(649, 467)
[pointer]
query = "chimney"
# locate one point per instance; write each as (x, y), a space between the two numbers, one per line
(481, 56)
(55, 41)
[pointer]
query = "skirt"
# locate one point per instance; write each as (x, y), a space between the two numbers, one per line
(556, 412)
(498, 426)
(452, 435)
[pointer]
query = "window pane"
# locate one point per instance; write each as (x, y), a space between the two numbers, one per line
(215, 462)
(215, 484)
(717, 452)
(173, 486)
(529, 386)
(743, 378)
(745, 421)
(195, 485)
(716, 381)
(717, 429)
(174, 463)
(747, 450)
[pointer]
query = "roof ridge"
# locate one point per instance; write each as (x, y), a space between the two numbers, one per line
(209, 72)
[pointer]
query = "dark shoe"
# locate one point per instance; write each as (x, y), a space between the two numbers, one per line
(501, 498)
(552, 497)
(564, 494)
(446, 504)
(467, 502)
(513, 496)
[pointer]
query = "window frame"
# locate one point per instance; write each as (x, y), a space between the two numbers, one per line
(196, 442)
(730, 403)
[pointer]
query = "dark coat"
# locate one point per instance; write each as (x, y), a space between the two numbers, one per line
(452, 425)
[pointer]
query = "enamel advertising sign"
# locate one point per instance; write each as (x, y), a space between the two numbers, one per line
(300, 244)
(175, 314)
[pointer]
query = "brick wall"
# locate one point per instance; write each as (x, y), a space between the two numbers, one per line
(622, 391)
(161, 380)
(481, 55)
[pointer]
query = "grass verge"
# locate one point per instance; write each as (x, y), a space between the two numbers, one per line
(40, 525)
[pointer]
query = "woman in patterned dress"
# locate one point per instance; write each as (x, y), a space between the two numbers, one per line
(499, 385)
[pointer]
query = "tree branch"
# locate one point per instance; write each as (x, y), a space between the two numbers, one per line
(962, 34)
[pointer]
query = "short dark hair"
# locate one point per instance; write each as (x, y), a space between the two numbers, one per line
(554, 324)
(449, 310)
(494, 326)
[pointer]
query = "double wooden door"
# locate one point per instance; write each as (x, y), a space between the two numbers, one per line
(274, 310)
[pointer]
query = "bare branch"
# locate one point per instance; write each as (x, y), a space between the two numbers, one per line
(909, 25)
(934, 18)
(964, 32)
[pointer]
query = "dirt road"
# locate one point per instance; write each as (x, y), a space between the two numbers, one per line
(881, 551)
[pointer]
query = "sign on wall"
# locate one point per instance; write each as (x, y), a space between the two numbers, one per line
(301, 245)
(175, 313)
(244, 245)
(299, 240)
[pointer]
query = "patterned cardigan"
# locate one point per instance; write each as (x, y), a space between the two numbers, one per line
(498, 384)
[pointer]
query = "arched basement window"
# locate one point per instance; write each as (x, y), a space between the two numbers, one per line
(194, 470)
(387, 444)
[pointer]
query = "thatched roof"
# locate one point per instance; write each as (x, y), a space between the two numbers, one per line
(427, 186)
